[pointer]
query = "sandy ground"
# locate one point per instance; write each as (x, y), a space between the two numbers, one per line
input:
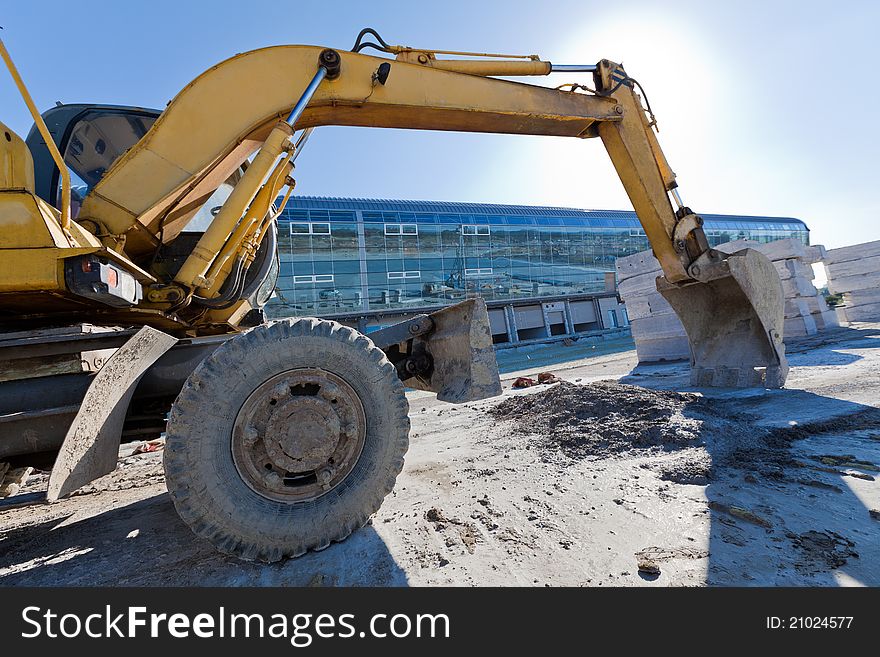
(480, 502)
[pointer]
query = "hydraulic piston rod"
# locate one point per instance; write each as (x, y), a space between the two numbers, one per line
(192, 273)
(573, 68)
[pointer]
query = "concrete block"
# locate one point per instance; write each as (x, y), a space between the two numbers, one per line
(797, 327)
(862, 297)
(791, 267)
(662, 349)
(636, 264)
(638, 286)
(798, 287)
(868, 265)
(854, 252)
(650, 305)
(777, 250)
(858, 282)
(813, 254)
(826, 319)
(865, 313)
(662, 326)
(800, 306)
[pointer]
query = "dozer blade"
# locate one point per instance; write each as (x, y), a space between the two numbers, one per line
(733, 318)
(464, 367)
(91, 445)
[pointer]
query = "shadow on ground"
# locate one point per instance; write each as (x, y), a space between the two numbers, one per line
(823, 349)
(550, 355)
(146, 544)
(790, 503)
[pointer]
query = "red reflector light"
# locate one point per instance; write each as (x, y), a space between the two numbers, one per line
(112, 277)
(86, 264)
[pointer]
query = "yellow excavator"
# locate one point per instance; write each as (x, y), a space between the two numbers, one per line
(138, 247)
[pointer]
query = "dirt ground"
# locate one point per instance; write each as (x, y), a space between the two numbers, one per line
(550, 486)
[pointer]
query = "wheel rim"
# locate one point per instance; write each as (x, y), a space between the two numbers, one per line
(298, 435)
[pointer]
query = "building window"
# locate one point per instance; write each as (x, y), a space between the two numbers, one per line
(480, 271)
(392, 275)
(637, 232)
(310, 228)
(317, 278)
(401, 229)
(470, 229)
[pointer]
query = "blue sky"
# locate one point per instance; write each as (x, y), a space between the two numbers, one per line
(764, 107)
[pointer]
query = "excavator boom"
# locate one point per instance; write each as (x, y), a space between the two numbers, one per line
(207, 132)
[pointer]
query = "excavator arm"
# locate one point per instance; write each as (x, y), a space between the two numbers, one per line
(731, 306)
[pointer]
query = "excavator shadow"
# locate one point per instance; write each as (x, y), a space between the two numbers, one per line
(791, 492)
(798, 510)
(146, 544)
(830, 347)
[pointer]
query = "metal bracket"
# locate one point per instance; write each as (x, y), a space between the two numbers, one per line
(401, 332)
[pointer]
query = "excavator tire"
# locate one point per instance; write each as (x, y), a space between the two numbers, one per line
(286, 439)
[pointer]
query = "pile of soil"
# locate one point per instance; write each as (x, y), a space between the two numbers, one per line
(607, 417)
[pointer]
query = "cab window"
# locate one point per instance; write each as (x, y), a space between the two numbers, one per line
(96, 140)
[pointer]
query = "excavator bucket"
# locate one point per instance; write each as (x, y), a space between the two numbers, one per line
(733, 319)
(464, 367)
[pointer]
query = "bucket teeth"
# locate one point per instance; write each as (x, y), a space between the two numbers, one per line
(733, 318)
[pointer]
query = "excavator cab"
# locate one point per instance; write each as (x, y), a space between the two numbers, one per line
(90, 138)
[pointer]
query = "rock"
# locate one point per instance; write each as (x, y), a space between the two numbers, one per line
(847, 461)
(739, 512)
(320, 580)
(149, 446)
(435, 515)
(648, 566)
(13, 481)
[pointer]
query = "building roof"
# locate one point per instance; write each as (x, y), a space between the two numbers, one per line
(429, 211)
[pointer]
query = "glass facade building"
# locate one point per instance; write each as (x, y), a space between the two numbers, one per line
(353, 255)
